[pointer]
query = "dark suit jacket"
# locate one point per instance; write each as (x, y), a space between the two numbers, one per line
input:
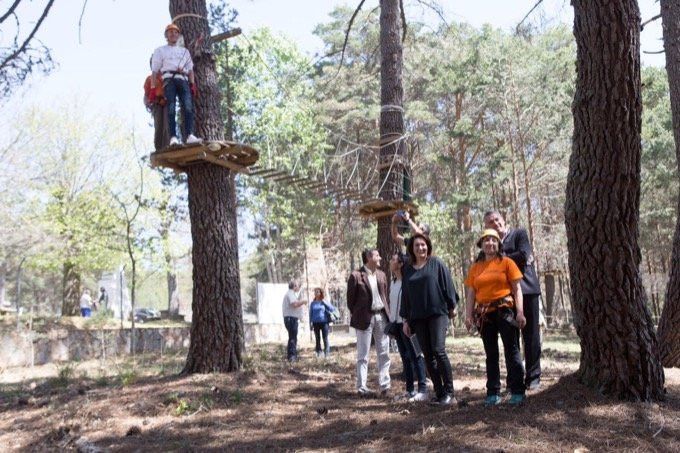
(517, 247)
(360, 297)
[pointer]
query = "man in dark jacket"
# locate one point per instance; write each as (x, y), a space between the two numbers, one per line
(516, 246)
(367, 302)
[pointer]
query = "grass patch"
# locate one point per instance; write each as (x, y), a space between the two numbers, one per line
(65, 374)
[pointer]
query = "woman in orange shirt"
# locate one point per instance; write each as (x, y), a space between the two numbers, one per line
(494, 305)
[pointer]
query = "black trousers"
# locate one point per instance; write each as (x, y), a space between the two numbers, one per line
(321, 330)
(431, 334)
(291, 324)
(531, 334)
(414, 366)
(494, 325)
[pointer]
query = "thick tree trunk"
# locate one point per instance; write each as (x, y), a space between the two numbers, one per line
(619, 353)
(70, 295)
(217, 327)
(3, 277)
(669, 324)
(391, 119)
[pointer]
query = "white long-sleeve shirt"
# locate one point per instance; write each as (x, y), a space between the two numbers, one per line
(395, 301)
(171, 58)
(85, 301)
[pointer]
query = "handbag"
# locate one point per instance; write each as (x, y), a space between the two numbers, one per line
(331, 315)
(392, 329)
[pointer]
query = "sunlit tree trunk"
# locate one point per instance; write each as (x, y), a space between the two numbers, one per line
(217, 327)
(619, 353)
(391, 118)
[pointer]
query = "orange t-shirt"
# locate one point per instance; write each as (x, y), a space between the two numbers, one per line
(491, 279)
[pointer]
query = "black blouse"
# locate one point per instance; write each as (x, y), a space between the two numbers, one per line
(427, 291)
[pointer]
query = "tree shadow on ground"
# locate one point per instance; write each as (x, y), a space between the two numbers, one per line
(313, 405)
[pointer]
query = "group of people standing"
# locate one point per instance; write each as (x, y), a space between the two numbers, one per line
(321, 314)
(502, 293)
(416, 308)
(87, 304)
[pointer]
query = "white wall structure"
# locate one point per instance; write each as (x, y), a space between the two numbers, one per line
(270, 302)
(270, 326)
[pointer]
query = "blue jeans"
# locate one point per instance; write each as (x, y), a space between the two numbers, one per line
(85, 312)
(291, 323)
(321, 329)
(177, 88)
(414, 367)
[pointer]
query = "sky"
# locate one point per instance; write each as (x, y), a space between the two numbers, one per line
(105, 60)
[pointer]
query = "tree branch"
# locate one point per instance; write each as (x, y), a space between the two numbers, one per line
(10, 10)
(436, 8)
(226, 35)
(25, 44)
(80, 21)
(349, 27)
(403, 20)
(642, 25)
(527, 15)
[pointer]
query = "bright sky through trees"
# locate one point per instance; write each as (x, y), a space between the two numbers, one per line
(108, 66)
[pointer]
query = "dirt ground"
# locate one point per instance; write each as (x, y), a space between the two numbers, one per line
(143, 405)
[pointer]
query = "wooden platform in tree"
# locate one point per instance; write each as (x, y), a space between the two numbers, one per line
(377, 208)
(234, 156)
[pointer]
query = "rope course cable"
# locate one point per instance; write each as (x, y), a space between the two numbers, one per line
(345, 149)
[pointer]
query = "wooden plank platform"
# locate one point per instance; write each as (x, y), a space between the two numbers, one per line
(377, 208)
(234, 156)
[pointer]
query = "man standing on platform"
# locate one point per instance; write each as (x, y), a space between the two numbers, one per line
(292, 314)
(516, 246)
(367, 302)
(173, 64)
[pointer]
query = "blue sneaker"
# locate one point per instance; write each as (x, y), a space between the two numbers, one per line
(517, 399)
(492, 400)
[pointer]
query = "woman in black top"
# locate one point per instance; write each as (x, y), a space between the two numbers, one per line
(428, 302)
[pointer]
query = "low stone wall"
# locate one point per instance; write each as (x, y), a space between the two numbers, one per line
(62, 344)
(66, 344)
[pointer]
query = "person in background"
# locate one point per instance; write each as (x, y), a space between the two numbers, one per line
(494, 306)
(413, 364)
(86, 304)
(319, 318)
(292, 313)
(103, 299)
(367, 301)
(515, 245)
(428, 302)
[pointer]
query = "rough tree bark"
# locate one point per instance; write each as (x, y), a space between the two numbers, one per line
(619, 353)
(71, 290)
(391, 120)
(669, 324)
(217, 327)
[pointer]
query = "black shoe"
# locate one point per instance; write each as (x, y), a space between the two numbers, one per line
(534, 385)
(447, 400)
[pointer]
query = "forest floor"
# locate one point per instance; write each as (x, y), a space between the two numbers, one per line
(143, 405)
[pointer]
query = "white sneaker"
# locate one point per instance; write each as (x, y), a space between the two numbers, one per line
(193, 139)
(174, 141)
(418, 397)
